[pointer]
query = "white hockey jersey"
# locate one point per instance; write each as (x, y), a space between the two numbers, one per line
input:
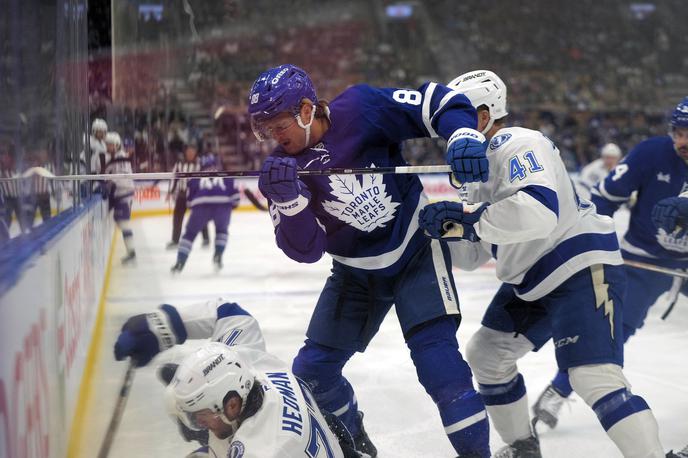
(589, 176)
(289, 423)
(99, 155)
(537, 229)
(124, 187)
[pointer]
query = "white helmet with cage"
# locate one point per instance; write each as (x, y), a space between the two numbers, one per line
(483, 87)
(113, 138)
(99, 125)
(204, 379)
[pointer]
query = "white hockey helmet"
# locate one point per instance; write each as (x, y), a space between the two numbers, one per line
(99, 125)
(203, 380)
(610, 150)
(113, 138)
(483, 87)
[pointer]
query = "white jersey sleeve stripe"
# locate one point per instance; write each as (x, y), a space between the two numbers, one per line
(608, 196)
(427, 116)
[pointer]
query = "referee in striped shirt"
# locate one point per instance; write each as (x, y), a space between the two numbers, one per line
(11, 190)
(178, 189)
(39, 190)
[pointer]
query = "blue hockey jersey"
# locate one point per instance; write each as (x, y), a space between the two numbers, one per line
(212, 190)
(368, 222)
(654, 169)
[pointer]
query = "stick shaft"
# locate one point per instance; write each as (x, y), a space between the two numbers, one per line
(654, 268)
(119, 410)
(420, 169)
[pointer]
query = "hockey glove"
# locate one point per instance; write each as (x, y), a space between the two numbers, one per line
(278, 180)
(466, 154)
(144, 336)
(451, 220)
(671, 214)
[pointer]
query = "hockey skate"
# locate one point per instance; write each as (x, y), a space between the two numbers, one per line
(362, 441)
(523, 448)
(130, 258)
(172, 245)
(546, 408)
(206, 243)
(217, 262)
(177, 267)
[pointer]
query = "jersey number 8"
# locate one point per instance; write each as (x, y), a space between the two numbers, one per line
(407, 96)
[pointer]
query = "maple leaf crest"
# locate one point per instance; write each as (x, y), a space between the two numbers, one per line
(362, 204)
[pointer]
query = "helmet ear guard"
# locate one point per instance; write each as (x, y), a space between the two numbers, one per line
(483, 87)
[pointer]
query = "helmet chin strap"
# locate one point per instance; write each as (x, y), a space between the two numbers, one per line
(307, 127)
(489, 125)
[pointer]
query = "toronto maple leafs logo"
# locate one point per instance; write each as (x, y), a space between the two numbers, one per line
(363, 204)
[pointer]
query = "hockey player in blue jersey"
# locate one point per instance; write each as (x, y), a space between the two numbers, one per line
(657, 169)
(210, 199)
(563, 280)
(369, 225)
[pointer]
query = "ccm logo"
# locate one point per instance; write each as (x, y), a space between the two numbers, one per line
(565, 341)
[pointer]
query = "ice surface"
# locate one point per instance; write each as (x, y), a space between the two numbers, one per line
(400, 418)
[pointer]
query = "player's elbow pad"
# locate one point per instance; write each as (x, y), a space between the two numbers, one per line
(309, 252)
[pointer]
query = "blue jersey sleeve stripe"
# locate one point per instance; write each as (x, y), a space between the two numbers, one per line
(563, 252)
(611, 197)
(544, 195)
(427, 100)
(230, 309)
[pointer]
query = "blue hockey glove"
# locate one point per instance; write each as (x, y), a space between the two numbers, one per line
(278, 180)
(144, 336)
(466, 154)
(671, 214)
(451, 220)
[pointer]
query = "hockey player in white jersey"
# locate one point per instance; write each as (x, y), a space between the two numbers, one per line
(560, 264)
(592, 173)
(258, 413)
(120, 191)
(99, 156)
(144, 336)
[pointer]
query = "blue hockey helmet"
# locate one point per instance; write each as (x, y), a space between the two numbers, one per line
(278, 90)
(679, 117)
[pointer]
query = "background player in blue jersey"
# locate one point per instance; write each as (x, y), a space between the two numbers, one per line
(210, 199)
(560, 264)
(657, 169)
(369, 225)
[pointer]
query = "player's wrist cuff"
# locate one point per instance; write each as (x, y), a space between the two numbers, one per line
(161, 327)
(465, 132)
(292, 207)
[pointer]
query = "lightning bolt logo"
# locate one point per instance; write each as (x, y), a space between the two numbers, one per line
(602, 294)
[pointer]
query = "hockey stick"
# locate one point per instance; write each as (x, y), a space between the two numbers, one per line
(406, 169)
(654, 268)
(254, 200)
(119, 410)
